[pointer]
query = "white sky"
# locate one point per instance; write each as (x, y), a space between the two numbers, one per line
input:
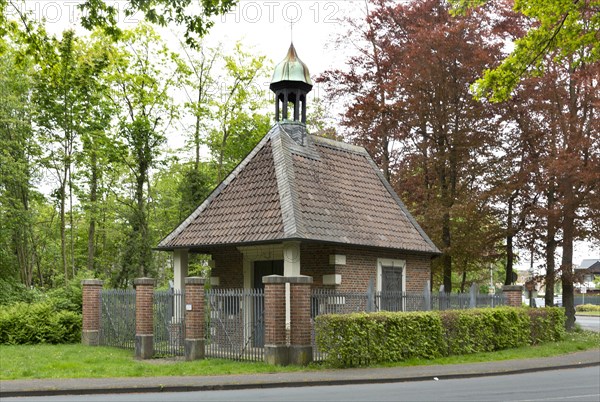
(265, 26)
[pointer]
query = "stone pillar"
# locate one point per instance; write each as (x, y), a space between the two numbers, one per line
(90, 331)
(513, 295)
(194, 318)
(144, 318)
(180, 272)
(276, 349)
(301, 351)
(291, 267)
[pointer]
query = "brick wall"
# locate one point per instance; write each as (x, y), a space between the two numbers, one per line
(91, 311)
(194, 318)
(275, 333)
(91, 304)
(144, 295)
(361, 266)
(314, 261)
(300, 329)
(229, 263)
(513, 294)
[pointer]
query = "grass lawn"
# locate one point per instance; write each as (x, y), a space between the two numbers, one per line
(78, 361)
(589, 313)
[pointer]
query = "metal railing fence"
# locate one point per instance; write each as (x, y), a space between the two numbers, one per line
(169, 323)
(235, 324)
(117, 318)
(586, 299)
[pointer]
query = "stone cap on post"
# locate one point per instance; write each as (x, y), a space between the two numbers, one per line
(144, 281)
(194, 280)
(512, 288)
(278, 279)
(92, 282)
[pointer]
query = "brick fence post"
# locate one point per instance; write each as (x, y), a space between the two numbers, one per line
(276, 349)
(144, 318)
(90, 330)
(194, 318)
(513, 295)
(301, 351)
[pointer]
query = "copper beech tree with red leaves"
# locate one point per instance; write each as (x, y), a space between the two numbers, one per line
(481, 178)
(408, 103)
(563, 108)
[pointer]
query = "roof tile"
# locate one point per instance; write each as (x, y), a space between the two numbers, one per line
(326, 191)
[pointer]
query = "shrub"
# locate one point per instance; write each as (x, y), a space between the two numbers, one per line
(12, 292)
(360, 339)
(547, 324)
(24, 323)
(485, 330)
(68, 298)
(587, 307)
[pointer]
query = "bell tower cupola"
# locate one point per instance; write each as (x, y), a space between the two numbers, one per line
(291, 82)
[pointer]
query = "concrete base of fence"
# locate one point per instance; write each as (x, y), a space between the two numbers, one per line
(194, 349)
(300, 355)
(144, 346)
(277, 355)
(90, 337)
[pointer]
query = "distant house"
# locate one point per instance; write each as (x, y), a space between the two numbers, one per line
(587, 272)
(299, 204)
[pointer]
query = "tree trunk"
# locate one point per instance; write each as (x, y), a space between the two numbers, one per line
(446, 257)
(550, 249)
(568, 227)
(93, 212)
(197, 131)
(71, 227)
(509, 259)
(139, 225)
(63, 235)
(510, 233)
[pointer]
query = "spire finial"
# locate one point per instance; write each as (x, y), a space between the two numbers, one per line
(291, 82)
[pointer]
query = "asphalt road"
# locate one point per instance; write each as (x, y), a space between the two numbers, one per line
(588, 322)
(582, 384)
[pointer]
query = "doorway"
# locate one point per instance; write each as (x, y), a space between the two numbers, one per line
(262, 268)
(391, 288)
(265, 268)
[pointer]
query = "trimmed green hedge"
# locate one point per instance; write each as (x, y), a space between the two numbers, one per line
(24, 323)
(587, 307)
(547, 324)
(485, 330)
(361, 338)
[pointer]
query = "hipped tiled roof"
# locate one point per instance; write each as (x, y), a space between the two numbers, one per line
(321, 190)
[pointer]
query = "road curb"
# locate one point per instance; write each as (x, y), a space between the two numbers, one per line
(282, 384)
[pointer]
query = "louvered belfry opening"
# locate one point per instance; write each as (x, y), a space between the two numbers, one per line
(291, 82)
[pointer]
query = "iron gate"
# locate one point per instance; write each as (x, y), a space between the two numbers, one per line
(117, 318)
(235, 324)
(169, 323)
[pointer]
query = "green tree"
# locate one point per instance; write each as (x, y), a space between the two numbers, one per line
(566, 30)
(195, 17)
(238, 110)
(99, 153)
(58, 117)
(144, 73)
(200, 88)
(19, 152)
